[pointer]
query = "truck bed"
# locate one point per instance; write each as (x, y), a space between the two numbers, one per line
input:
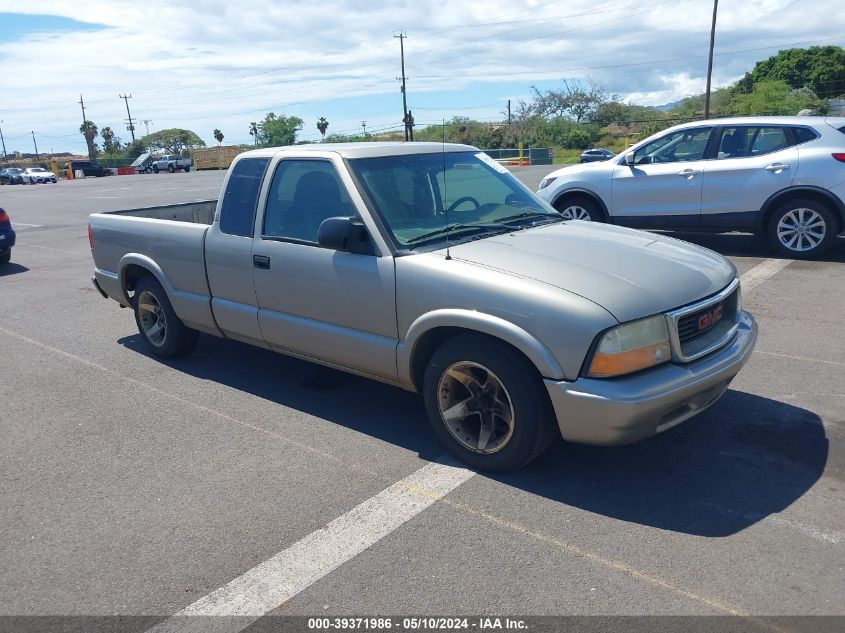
(166, 240)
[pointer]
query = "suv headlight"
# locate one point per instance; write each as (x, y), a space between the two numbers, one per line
(545, 182)
(631, 347)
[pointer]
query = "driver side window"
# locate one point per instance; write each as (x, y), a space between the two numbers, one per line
(675, 147)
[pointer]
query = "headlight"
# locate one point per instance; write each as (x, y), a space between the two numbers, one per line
(631, 347)
(545, 182)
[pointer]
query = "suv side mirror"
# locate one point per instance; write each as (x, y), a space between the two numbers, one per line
(629, 159)
(347, 235)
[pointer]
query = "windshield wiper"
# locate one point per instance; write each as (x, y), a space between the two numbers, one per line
(530, 214)
(455, 226)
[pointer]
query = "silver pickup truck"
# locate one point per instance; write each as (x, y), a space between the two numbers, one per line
(430, 267)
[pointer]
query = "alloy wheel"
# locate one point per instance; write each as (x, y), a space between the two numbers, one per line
(152, 318)
(801, 230)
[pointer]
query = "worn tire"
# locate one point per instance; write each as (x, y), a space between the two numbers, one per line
(570, 207)
(787, 212)
(179, 339)
(534, 424)
(6, 256)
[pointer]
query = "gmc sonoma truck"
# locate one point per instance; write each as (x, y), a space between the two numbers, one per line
(430, 267)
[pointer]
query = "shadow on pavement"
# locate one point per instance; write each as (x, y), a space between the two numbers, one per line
(12, 269)
(742, 460)
(748, 245)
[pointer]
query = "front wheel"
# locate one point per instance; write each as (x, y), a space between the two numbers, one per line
(579, 208)
(487, 404)
(171, 168)
(162, 331)
(802, 229)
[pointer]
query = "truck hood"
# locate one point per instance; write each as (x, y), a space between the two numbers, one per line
(631, 274)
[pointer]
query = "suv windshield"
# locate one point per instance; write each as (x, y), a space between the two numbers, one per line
(422, 198)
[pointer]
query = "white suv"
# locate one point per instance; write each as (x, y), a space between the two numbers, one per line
(779, 176)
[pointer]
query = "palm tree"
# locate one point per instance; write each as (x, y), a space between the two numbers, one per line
(322, 124)
(218, 135)
(253, 131)
(89, 130)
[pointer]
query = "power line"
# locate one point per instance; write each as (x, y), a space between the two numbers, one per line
(710, 61)
(130, 127)
(401, 38)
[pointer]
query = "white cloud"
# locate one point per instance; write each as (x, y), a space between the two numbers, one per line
(217, 63)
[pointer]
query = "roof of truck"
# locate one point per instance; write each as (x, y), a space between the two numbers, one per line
(364, 150)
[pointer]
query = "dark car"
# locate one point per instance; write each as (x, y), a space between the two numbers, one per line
(7, 237)
(597, 154)
(88, 167)
(11, 176)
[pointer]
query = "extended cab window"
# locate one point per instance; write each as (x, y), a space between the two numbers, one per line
(237, 215)
(303, 194)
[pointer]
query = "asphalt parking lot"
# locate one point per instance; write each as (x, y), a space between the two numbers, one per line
(132, 486)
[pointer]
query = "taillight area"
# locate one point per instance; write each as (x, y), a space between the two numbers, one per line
(4, 217)
(90, 237)
(840, 156)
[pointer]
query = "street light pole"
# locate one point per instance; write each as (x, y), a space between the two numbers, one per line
(710, 61)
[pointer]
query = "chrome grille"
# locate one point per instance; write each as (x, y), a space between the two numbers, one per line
(705, 326)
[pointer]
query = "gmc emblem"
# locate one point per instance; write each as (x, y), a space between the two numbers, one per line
(709, 319)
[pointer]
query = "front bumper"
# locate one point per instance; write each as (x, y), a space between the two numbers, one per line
(628, 409)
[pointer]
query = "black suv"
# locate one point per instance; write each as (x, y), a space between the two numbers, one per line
(11, 176)
(87, 167)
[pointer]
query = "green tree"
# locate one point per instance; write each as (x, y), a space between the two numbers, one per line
(322, 125)
(278, 130)
(172, 141)
(89, 130)
(218, 136)
(111, 142)
(773, 97)
(253, 132)
(819, 68)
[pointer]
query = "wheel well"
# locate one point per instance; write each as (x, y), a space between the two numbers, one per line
(132, 274)
(434, 338)
(568, 196)
(801, 194)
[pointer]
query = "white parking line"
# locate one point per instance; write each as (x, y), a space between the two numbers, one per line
(21, 225)
(761, 272)
(280, 578)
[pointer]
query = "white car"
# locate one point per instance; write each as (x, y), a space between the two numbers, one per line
(35, 175)
(779, 176)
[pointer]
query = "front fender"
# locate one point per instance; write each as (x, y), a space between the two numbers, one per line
(522, 340)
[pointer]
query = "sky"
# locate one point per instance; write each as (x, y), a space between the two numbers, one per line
(209, 64)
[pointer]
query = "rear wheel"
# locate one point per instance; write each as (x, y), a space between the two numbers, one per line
(802, 229)
(579, 208)
(171, 168)
(155, 169)
(158, 324)
(187, 168)
(486, 403)
(6, 256)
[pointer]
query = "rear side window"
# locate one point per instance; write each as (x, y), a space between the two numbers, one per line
(237, 214)
(803, 134)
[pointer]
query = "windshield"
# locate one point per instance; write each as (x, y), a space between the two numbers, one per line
(423, 197)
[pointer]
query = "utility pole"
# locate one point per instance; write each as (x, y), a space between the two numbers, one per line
(509, 111)
(401, 38)
(82, 103)
(37, 157)
(5, 155)
(710, 61)
(364, 125)
(130, 127)
(146, 123)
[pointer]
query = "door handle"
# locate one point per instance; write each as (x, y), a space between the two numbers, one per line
(688, 173)
(261, 261)
(776, 168)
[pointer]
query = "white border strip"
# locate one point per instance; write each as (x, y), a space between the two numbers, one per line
(761, 272)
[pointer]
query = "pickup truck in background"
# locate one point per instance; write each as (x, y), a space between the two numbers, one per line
(430, 267)
(171, 164)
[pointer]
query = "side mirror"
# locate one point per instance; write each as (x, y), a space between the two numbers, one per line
(347, 235)
(629, 159)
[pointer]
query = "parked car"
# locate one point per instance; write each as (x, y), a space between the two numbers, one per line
(430, 267)
(783, 177)
(7, 237)
(36, 175)
(594, 155)
(171, 164)
(11, 176)
(88, 168)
